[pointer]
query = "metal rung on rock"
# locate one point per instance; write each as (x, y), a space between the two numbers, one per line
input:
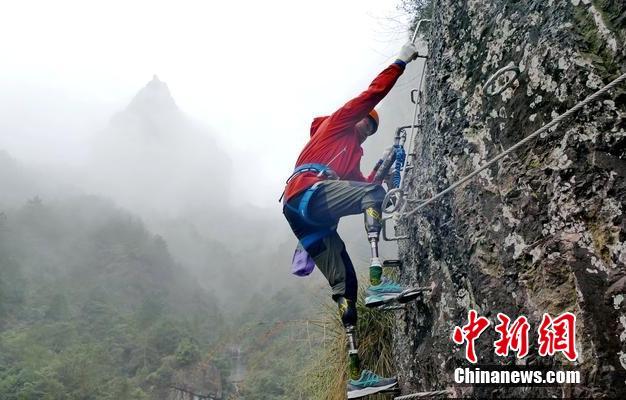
(393, 307)
(420, 395)
(384, 229)
(392, 264)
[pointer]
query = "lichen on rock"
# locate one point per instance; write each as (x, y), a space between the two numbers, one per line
(544, 229)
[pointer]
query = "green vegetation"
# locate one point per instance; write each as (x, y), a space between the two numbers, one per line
(288, 359)
(277, 346)
(92, 306)
(614, 15)
(594, 46)
(418, 9)
(326, 378)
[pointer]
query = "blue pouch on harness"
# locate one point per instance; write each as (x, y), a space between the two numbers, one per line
(302, 263)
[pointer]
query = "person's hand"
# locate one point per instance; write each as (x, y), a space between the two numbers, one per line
(386, 153)
(408, 52)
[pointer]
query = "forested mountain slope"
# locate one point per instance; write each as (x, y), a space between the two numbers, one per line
(92, 305)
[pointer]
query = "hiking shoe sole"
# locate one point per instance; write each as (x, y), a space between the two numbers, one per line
(380, 300)
(355, 394)
(404, 297)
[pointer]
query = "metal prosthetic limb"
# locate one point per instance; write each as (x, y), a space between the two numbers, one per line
(354, 363)
(372, 226)
(348, 315)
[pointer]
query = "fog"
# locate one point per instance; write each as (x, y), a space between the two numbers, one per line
(200, 151)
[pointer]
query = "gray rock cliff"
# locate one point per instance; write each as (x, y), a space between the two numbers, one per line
(544, 229)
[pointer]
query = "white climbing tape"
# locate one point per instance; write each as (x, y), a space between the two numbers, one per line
(522, 142)
(424, 394)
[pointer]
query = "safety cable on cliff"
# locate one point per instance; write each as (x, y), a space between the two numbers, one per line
(402, 203)
(539, 131)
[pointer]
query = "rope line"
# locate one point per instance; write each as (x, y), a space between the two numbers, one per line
(424, 394)
(538, 132)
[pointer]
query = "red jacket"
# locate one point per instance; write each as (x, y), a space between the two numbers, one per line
(330, 135)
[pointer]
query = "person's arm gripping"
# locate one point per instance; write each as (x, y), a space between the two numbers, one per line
(359, 107)
(379, 164)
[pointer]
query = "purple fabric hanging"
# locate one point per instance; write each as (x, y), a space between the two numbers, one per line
(302, 263)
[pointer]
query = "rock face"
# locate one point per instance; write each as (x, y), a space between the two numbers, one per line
(543, 231)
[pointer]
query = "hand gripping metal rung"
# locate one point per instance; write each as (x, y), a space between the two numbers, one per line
(417, 29)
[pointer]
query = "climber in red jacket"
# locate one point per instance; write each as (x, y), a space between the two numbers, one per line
(326, 185)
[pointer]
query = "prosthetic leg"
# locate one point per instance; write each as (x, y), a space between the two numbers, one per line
(364, 382)
(382, 292)
(373, 226)
(354, 363)
(347, 304)
(348, 315)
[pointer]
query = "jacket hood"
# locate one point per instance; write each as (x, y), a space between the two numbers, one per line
(317, 121)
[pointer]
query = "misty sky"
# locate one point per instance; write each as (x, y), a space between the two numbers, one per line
(255, 72)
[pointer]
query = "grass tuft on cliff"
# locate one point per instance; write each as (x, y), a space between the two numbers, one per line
(326, 378)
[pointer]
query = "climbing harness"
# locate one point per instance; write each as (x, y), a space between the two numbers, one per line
(425, 394)
(546, 127)
(321, 231)
(303, 207)
(322, 170)
(302, 210)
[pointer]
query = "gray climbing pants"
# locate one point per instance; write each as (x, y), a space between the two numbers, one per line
(331, 201)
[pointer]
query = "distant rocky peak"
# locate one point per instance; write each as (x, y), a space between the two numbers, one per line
(155, 97)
